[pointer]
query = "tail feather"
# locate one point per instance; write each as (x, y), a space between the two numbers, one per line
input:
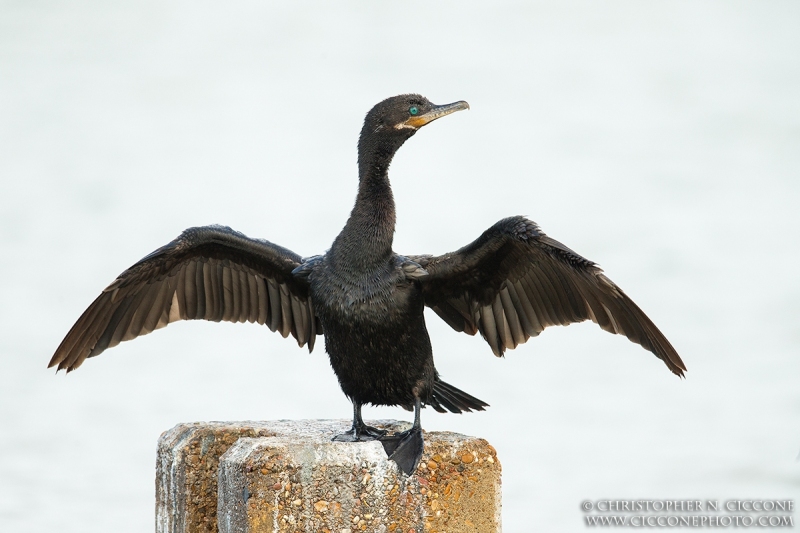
(445, 397)
(442, 404)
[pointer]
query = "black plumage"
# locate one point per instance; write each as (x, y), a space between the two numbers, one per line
(368, 301)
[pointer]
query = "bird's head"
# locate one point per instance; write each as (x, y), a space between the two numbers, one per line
(394, 120)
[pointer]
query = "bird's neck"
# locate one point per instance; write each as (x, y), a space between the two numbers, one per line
(365, 243)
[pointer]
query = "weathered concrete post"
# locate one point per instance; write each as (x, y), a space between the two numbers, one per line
(289, 476)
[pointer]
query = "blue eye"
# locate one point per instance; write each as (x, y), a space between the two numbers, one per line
(413, 110)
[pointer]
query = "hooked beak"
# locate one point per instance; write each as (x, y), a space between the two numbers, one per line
(437, 112)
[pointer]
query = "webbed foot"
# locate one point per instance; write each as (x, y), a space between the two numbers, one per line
(363, 433)
(405, 449)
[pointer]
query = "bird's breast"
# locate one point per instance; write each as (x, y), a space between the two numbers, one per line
(375, 298)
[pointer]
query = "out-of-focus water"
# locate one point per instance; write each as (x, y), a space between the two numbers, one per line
(661, 140)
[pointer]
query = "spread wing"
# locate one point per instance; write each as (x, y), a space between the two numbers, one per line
(514, 281)
(211, 273)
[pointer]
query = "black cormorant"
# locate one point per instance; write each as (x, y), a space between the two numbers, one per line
(368, 301)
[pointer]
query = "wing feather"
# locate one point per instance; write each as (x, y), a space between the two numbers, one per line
(527, 306)
(211, 273)
(514, 281)
(274, 306)
(503, 330)
(541, 297)
(512, 317)
(161, 301)
(180, 310)
(525, 313)
(263, 301)
(285, 311)
(489, 329)
(217, 275)
(230, 288)
(245, 308)
(199, 287)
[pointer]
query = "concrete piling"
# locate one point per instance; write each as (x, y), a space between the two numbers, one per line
(289, 476)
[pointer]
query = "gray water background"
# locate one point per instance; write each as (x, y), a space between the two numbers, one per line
(660, 139)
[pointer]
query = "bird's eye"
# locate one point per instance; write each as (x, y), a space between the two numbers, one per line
(413, 110)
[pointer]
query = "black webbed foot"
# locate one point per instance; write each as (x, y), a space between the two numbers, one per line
(405, 449)
(360, 432)
(363, 433)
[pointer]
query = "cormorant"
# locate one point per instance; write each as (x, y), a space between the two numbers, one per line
(367, 300)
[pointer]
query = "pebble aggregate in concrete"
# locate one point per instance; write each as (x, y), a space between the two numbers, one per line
(289, 476)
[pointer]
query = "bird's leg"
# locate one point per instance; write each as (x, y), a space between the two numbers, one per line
(360, 431)
(406, 448)
(367, 432)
